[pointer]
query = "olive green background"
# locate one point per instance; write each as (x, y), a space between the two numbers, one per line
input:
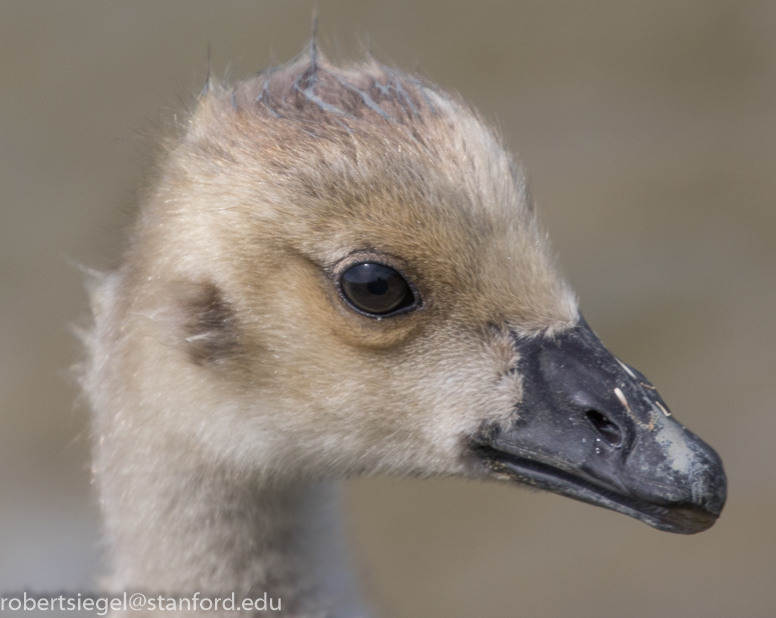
(649, 129)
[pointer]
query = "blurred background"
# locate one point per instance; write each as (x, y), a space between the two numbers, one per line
(649, 130)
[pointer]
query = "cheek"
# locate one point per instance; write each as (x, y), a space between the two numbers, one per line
(456, 390)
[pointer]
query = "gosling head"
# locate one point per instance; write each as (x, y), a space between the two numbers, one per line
(340, 271)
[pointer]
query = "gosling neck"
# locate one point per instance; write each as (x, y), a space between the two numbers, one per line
(177, 529)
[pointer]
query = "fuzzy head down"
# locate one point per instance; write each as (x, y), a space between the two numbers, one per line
(225, 329)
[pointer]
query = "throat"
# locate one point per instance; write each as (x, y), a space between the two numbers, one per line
(224, 534)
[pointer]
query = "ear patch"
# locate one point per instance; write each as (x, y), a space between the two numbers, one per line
(209, 323)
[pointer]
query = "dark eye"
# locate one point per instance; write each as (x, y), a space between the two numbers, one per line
(376, 289)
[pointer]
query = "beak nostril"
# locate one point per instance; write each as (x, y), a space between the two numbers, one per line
(608, 430)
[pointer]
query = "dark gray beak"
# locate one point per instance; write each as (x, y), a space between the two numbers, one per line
(592, 428)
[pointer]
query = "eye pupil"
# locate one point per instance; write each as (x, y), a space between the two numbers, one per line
(376, 289)
(378, 286)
